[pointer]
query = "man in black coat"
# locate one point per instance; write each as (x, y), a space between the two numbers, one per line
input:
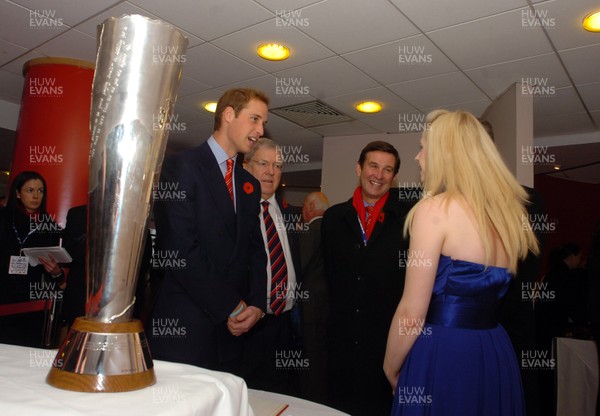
(207, 227)
(365, 254)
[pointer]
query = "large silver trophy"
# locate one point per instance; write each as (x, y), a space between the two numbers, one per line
(138, 68)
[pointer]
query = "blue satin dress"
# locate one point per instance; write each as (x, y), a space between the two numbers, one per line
(462, 362)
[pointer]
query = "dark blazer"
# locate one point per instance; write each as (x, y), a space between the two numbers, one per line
(315, 308)
(273, 335)
(293, 227)
(75, 236)
(224, 260)
(365, 286)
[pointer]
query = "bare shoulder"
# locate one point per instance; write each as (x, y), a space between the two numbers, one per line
(432, 207)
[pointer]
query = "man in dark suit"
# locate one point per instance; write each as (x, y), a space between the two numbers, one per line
(271, 356)
(207, 226)
(365, 253)
(315, 308)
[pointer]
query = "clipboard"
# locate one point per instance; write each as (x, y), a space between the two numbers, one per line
(59, 253)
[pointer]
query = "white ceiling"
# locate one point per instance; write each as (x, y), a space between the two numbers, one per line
(346, 51)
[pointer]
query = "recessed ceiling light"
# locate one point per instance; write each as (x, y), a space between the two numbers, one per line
(211, 106)
(368, 107)
(591, 22)
(557, 167)
(273, 52)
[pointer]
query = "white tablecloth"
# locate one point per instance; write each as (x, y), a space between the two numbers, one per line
(180, 390)
(260, 401)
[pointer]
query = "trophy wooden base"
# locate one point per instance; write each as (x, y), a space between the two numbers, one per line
(103, 357)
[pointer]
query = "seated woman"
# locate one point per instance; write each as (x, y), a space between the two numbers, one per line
(446, 353)
(24, 289)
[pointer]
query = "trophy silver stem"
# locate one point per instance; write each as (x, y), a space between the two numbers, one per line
(138, 67)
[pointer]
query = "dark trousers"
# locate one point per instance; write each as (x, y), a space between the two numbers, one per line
(269, 358)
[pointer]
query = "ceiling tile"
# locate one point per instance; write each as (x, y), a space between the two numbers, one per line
(283, 6)
(583, 63)
(591, 95)
(326, 78)
(244, 44)
(560, 124)
(495, 79)
(360, 24)
(16, 66)
(277, 125)
(491, 40)
(188, 86)
(477, 108)
(9, 51)
(555, 101)
(209, 19)
(567, 31)
(72, 44)
(90, 27)
(404, 60)
(281, 92)
(70, 11)
(394, 123)
(12, 87)
(344, 129)
(438, 91)
(436, 14)
(22, 27)
(212, 66)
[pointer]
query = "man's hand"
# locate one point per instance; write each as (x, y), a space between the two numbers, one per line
(244, 321)
(50, 265)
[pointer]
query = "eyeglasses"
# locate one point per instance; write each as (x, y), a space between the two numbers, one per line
(264, 164)
(30, 191)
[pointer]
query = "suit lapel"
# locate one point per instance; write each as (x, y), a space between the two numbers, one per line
(217, 188)
(351, 217)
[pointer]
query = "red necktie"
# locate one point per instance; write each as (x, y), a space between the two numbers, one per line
(279, 274)
(229, 177)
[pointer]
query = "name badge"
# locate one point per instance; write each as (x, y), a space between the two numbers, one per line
(18, 265)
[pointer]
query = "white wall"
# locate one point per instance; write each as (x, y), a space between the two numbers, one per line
(341, 153)
(511, 116)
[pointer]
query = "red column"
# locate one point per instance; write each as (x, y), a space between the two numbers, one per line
(53, 132)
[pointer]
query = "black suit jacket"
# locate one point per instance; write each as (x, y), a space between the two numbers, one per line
(315, 308)
(293, 227)
(224, 256)
(365, 286)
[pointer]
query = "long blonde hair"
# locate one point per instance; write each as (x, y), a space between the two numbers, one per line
(462, 161)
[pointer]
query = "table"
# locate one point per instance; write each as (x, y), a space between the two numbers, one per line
(180, 390)
(297, 407)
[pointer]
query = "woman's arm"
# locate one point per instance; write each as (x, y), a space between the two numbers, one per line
(426, 239)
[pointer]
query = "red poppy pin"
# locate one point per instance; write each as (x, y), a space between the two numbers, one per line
(284, 203)
(381, 217)
(248, 188)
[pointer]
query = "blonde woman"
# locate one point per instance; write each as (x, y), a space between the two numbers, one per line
(446, 353)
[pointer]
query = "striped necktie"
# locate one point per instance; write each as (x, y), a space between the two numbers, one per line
(279, 273)
(229, 177)
(369, 212)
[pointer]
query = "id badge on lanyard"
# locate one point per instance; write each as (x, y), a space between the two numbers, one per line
(18, 265)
